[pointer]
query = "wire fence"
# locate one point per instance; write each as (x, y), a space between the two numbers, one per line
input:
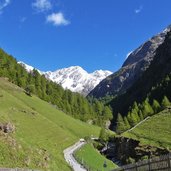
(154, 164)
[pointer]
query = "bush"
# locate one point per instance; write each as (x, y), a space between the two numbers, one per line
(87, 139)
(130, 160)
(144, 157)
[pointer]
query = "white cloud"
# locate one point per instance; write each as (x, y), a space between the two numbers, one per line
(57, 19)
(3, 4)
(42, 5)
(138, 10)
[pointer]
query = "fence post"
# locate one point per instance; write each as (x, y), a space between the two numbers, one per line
(169, 161)
(136, 167)
(149, 164)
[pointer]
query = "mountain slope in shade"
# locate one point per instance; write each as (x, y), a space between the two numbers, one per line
(136, 63)
(74, 78)
(155, 82)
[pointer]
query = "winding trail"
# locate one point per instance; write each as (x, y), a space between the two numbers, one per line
(138, 124)
(68, 155)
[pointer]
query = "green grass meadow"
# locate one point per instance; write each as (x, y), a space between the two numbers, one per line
(41, 131)
(156, 131)
(91, 158)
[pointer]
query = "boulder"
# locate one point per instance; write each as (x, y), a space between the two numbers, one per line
(7, 127)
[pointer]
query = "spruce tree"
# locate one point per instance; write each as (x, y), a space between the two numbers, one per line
(165, 102)
(120, 124)
(156, 106)
(129, 118)
(135, 106)
(127, 125)
(141, 115)
(107, 113)
(147, 109)
(134, 118)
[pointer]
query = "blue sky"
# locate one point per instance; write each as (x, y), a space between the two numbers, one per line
(94, 34)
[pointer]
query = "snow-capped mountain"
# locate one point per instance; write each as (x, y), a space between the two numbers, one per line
(74, 78)
(28, 67)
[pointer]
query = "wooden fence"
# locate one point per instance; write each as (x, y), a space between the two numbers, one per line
(154, 164)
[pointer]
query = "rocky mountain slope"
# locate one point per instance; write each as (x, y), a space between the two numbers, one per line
(74, 78)
(136, 63)
(155, 82)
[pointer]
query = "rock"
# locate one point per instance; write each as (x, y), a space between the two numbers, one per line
(124, 149)
(7, 127)
(107, 124)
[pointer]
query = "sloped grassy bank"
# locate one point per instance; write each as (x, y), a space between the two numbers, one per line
(40, 134)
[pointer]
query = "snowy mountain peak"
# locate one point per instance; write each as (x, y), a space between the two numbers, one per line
(72, 69)
(73, 78)
(28, 68)
(77, 79)
(101, 73)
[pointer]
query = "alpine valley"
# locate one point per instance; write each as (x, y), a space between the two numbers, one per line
(47, 121)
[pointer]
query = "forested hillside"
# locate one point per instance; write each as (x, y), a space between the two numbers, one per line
(71, 103)
(150, 94)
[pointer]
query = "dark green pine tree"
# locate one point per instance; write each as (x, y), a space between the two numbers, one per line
(120, 127)
(98, 107)
(147, 110)
(107, 113)
(135, 118)
(165, 102)
(127, 125)
(135, 107)
(156, 106)
(140, 115)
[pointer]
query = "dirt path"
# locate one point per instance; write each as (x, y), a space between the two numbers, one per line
(138, 124)
(68, 155)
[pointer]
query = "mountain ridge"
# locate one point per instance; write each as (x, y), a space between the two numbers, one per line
(136, 63)
(153, 84)
(74, 78)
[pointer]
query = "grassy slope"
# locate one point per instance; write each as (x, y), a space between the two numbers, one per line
(42, 132)
(155, 131)
(91, 157)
